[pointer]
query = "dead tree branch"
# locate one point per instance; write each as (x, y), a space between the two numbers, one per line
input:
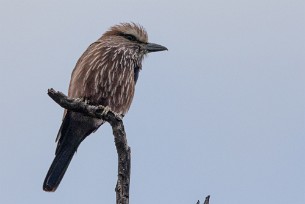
(116, 122)
(207, 200)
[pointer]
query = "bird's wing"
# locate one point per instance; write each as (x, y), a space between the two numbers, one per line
(75, 128)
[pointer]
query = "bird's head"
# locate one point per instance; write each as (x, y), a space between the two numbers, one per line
(131, 40)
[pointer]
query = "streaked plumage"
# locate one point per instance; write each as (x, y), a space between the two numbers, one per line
(106, 75)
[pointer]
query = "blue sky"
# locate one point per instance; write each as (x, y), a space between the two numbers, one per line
(222, 113)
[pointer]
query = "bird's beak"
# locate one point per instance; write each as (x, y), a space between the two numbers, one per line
(152, 47)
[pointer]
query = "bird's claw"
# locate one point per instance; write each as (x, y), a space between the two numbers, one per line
(106, 110)
(119, 116)
(87, 101)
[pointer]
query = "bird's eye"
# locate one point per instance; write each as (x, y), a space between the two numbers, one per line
(130, 37)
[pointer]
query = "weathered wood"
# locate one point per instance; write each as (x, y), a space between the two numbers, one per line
(120, 139)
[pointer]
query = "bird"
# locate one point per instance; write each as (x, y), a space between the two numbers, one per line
(105, 74)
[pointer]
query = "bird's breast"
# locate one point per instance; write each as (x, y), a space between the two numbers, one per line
(109, 84)
(105, 76)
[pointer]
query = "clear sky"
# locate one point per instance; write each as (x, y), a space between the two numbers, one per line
(222, 113)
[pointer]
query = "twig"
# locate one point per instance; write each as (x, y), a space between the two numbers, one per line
(123, 150)
(207, 200)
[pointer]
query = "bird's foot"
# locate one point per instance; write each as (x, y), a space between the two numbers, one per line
(106, 110)
(119, 116)
(86, 101)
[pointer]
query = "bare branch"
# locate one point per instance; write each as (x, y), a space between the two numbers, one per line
(123, 150)
(207, 200)
(78, 105)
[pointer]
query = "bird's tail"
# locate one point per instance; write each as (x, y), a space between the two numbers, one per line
(58, 168)
(71, 133)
